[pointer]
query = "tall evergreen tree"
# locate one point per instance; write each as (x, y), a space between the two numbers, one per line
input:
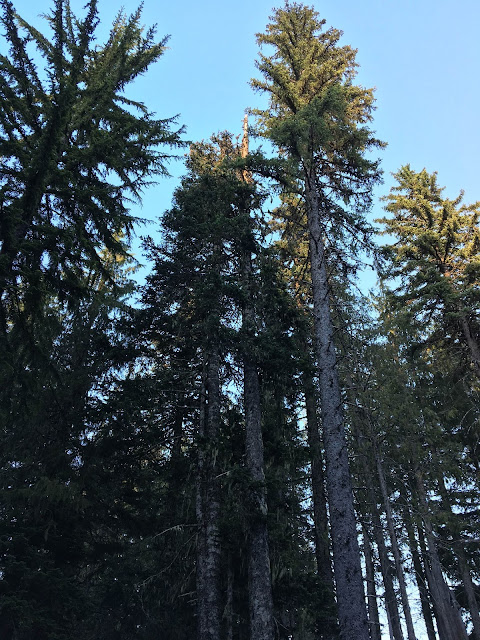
(75, 151)
(317, 118)
(436, 258)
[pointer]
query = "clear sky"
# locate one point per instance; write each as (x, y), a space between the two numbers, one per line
(423, 57)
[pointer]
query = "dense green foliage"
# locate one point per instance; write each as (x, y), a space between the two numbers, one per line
(124, 460)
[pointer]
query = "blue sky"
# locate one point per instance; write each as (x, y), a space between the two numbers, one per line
(421, 55)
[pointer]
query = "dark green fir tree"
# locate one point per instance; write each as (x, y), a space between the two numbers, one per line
(317, 118)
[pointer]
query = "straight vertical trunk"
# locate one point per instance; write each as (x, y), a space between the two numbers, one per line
(346, 553)
(446, 606)
(372, 606)
(208, 506)
(443, 631)
(366, 453)
(463, 566)
(229, 604)
(420, 576)
(391, 604)
(259, 577)
(469, 590)
(395, 549)
(320, 517)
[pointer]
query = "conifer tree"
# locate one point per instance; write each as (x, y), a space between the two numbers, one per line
(75, 151)
(436, 257)
(317, 118)
(65, 184)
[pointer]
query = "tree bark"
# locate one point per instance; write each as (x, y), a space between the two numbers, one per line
(346, 553)
(395, 549)
(229, 604)
(320, 517)
(420, 576)
(446, 606)
(372, 606)
(259, 577)
(462, 566)
(391, 604)
(469, 590)
(208, 506)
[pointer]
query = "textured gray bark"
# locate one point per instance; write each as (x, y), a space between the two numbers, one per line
(372, 605)
(447, 609)
(208, 507)
(391, 604)
(259, 577)
(463, 567)
(469, 590)
(443, 631)
(352, 611)
(420, 577)
(395, 549)
(320, 518)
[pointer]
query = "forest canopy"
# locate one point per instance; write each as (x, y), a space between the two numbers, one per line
(248, 445)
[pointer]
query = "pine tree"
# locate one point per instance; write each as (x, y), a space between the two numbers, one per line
(317, 118)
(75, 151)
(436, 257)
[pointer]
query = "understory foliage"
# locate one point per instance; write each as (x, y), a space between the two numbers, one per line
(159, 443)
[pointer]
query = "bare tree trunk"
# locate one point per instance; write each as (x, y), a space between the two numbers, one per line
(259, 577)
(446, 606)
(469, 590)
(443, 631)
(372, 605)
(346, 553)
(395, 549)
(208, 506)
(320, 518)
(391, 604)
(229, 604)
(463, 566)
(420, 576)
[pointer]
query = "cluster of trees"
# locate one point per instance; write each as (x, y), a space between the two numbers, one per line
(252, 449)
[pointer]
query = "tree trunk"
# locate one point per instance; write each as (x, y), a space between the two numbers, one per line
(462, 565)
(443, 632)
(446, 606)
(469, 590)
(208, 506)
(372, 606)
(471, 343)
(420, 576)
(320, 518)
(259, 577)
(229, 604)
(395, 549)
(391, 604)
(346, 554)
